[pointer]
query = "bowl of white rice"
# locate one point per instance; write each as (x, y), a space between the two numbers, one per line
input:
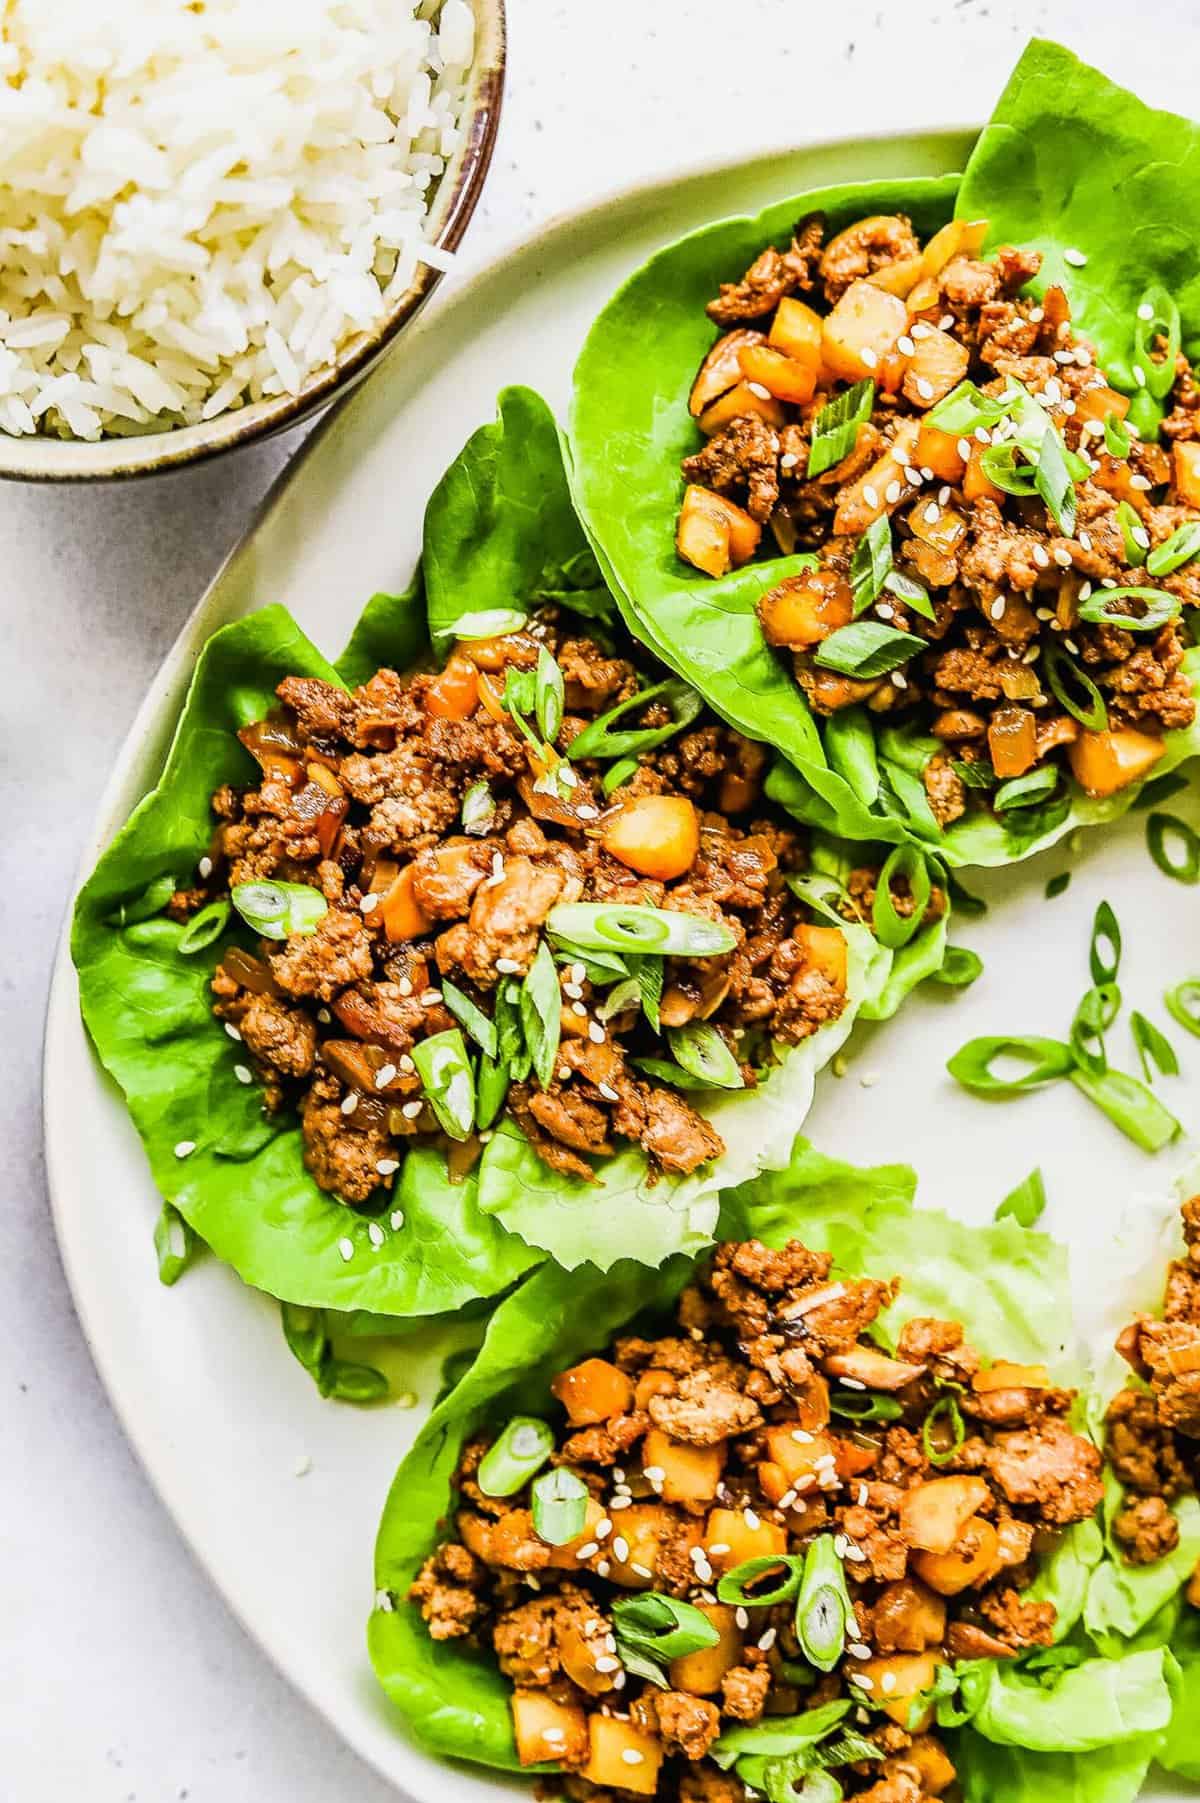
(215, 215)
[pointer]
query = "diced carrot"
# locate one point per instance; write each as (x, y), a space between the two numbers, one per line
(454, 694)
(653, 1383)
(700, 1673)
(851, 1459)
(1099, 402)
(735, 404)
(729, 1528)
(975, 485)
(1012, 741)
(825, 950)
(899, 277)
(796, 331)
(656, 835)
(896, 1680)
(593, 1391)
(1115, 475)
(802, 610)
(496, 654)
(1003, 1376)
(933, 1514)
(938, 451)
(1185, 466)
(399, 911)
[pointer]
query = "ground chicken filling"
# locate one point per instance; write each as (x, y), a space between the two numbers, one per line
(1153, 1440)
(732, 1439)
(949, 378)
(431, 838)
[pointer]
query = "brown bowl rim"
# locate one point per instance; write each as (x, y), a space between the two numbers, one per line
(34, 458)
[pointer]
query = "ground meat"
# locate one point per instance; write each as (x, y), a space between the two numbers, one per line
(946, 791)
(674, 1135)
(708, 1784)
(1018, 1623)
(343, 1152)
(319, 964)
(939, 1344)
(447, 1592)
(504, 922)
(742, 460)
(1048, 1469)
(608, 1442)
(772, 274)
(744, 1691)
(594, 682)
(530, 1640)
(863, 249)
(703, 1413)
(1146, 1530)
(685, 1724)
(284, 1038)
(907, 1618)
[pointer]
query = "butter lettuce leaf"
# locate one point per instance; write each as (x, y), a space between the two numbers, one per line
(1180, 1751)
(1098, 1703)
(990, 1773)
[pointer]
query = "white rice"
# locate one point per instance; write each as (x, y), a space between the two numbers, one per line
(201, 201)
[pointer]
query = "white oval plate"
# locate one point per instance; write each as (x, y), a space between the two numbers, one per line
(219, 1413)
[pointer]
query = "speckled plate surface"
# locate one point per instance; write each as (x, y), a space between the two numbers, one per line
(221, 1416)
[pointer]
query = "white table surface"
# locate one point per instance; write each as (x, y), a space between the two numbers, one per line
(122, 1675)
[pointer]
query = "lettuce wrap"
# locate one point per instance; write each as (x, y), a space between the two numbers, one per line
(499, 528)
(1065, 1722)
(1070, 164)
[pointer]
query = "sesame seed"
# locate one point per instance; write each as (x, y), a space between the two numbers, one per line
(589, 1551)
(579, 1009)
(719, 1548)
(905, 345)
(397, 1219)
(233, 1032)
(184, 1148)
(1140, 537)
(606, 1663)
(1052, 392)
(870, 358)
(861, 1680)
(801, 1438)
(375, 1234)
(653, 1474)
(346, 1248)
(1085, 539)
(857, 1650)
(350, 1102)
(856, 1555)
(431, 996)
(585, 811)
(943, 494)
(1064, 356)
(1145, 311)
(1041, 557)
(405, 986)
(785, 1502)
(892, 493)
(564, 1073)
(621, 1548)
(1139, 375)
(384, 1603)
(410, 1110)
(302, 1468)
(997, 608)
(826, 1462)
(899, 681)
(595, 1032)
(704, 1570)
(932, 513)
(507, 967)
(603, 1529)
(1071, 646)
(368, 904)
(767, 1641)
(840, 1544)
(756, 388)
(1139, 482)
(384, 1075)
(946, 322)
(920, 329)
(863, 1495)
(620, 1502)
(963, 447)
(573, 990)
(751, 1519)
(1068, 408)
(602, 1568)
(631, 1756)
(868, 1080)
(406, 1064)
(608, 1092)
(871, 495)
(887, 1682)
(789, 460)
(1062, 557)
(854, 1383)
(619, 1677)
(925, 388)
(205, 868)
(387, 1167)
(324, 1016)
(1031, 656)
(1076, 259)
(643, 1571)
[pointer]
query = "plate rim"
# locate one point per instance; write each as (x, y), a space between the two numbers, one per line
(62, 1017)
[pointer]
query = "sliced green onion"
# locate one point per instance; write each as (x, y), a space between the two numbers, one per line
(617, 773)
(1174, 552)
(1023, 791)
(203, 928)
(598, 740)
(663, 1071)
(912, 593)
(541, 1013)
(1183, 1004)
(1117, 441)
(959, 968)
(1057, 884)
(700, 1050)
(1054, 482)
(740, 1585)
(488, 623)
(867, 648)
(520, 1450)
(620, 998)
(1160, 788)
(976, 774)
(1158, 376)
(277, 910)
(967, 407)
(1154, 1049)
(342, 1381)
(448, 1080)
(599, 967)
(999, 464)
(560, 1500)
(1046, 1059)
(304, 1331)
(1104, 951)
(823, 1606)
(472, 1019)
(1159, 608)
(861, 1405)
(520, 693)
(1164, 831)
(1027, 1203)
(662, 1626)
(491, 1087)
(1062, 670)
(835, 429)
(871, 562)
(1094, 1015)
(1130, 1106)
(649, 974)
(666, 932)
(945, 1407)
(175, 1244)
(511, 1050)
(893, 929)
(478, 809)
(549, 696)
(152, 900)
(1136, 538)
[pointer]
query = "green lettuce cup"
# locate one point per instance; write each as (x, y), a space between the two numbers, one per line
(499, 531)
(1070, 166)
(1063, 1720)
